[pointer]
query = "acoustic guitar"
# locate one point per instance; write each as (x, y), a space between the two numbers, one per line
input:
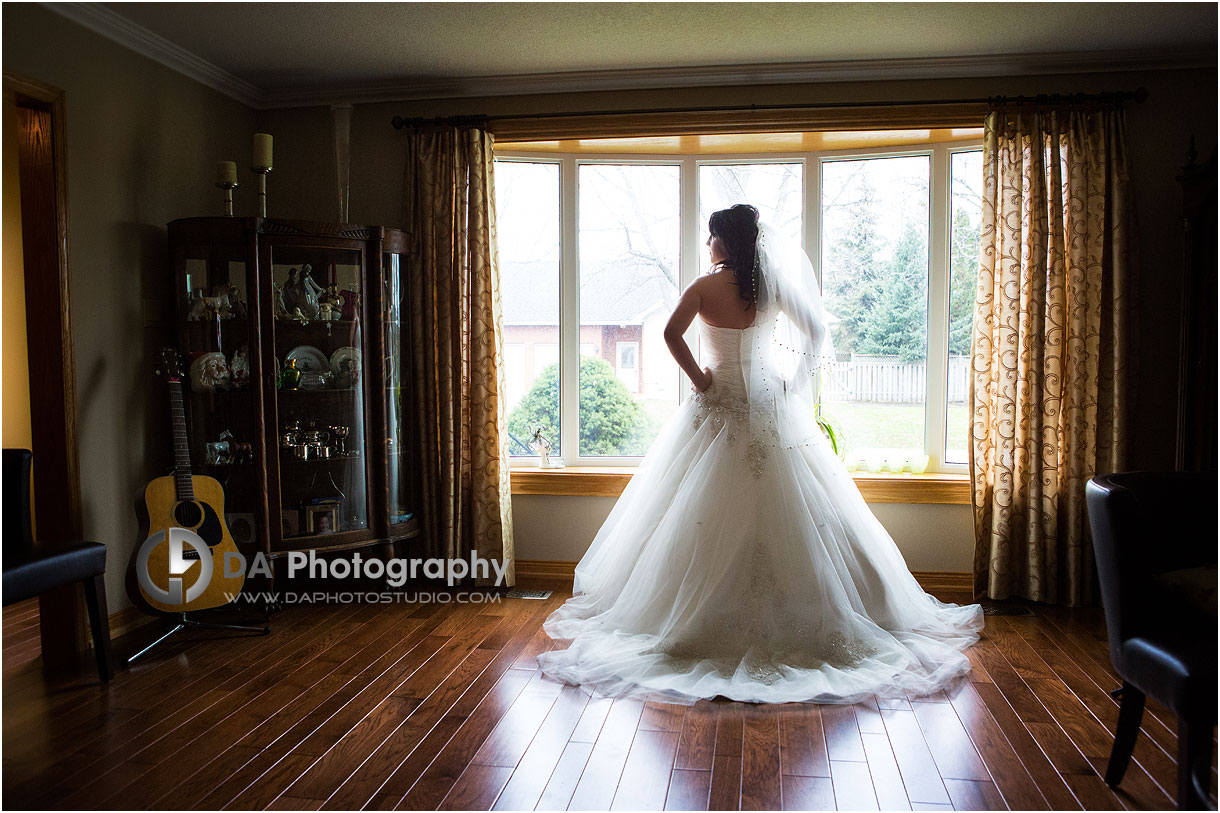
(194, 502)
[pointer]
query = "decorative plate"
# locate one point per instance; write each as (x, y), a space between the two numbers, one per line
(343, 356)
(309, 359)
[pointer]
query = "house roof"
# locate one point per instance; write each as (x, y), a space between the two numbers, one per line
(609, 295)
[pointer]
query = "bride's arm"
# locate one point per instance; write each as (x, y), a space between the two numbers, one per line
(683, 315)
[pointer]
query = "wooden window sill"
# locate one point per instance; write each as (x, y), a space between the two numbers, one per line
(609, 481)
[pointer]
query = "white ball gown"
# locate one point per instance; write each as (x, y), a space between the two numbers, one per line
(732, 566)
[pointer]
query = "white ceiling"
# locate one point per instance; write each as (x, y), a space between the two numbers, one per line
(292, 52)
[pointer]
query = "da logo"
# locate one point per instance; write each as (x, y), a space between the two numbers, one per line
(178, 562)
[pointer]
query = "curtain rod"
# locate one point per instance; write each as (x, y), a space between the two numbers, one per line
(1041, 100)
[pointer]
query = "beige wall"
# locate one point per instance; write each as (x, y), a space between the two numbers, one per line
(559, 529)
(143, 142)
(1181, 104)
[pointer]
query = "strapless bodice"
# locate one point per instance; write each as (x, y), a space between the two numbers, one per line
(722, 353)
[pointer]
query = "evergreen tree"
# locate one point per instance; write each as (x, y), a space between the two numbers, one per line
(897, 324)
(852, 277)
(962, 282)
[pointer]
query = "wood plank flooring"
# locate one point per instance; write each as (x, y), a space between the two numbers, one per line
(22, 644)
(441, 706)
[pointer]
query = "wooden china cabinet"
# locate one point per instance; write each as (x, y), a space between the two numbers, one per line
(295, 339)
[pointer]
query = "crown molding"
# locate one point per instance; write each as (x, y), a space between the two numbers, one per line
(747, 75)
(101, 20)
(738, 75)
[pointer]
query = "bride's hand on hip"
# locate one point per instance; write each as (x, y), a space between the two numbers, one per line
(701, 386)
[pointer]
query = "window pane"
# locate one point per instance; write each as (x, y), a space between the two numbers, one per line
(776, 190)
(875, 282)
(629, 252)
(967, 213)
(527, 226)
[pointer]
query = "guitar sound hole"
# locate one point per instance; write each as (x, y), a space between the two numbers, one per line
(188, 514)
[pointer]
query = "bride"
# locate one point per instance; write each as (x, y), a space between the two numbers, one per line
(741, 560)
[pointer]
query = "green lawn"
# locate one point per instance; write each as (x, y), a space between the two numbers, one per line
(887, 431)
(891, 429)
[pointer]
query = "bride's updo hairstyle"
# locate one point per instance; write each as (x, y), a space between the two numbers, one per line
(737, 228)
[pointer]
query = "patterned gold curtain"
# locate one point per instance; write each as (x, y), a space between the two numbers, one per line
(458, 332)
(1050, 341)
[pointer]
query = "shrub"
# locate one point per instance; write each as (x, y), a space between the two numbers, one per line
(612, 422)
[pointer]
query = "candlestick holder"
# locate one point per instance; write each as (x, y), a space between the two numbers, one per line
(262, 173)
(228, 187)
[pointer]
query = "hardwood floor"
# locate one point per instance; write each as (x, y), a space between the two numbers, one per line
(441, 706)
(22, 645)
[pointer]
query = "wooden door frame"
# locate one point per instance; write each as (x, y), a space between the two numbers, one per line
(52, 358)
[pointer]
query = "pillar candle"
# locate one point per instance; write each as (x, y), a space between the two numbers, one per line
(226, 172)
(262, 150)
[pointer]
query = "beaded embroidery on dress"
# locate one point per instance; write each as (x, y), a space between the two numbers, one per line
(741, 560)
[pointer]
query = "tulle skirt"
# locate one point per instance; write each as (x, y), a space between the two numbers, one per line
(732, 567)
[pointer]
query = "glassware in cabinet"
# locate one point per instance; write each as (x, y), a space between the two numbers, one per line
(213, 297)
(307, 466)
(320, 391)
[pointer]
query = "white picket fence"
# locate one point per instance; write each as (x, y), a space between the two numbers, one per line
(886, 379)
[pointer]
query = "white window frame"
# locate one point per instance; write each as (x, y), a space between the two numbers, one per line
(939, 242)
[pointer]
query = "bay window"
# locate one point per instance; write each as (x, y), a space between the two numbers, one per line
(595, 250)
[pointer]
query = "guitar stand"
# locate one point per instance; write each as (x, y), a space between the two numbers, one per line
(184, 622)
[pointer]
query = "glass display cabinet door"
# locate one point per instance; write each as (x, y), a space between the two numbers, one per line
(320, 394)
(214, 326)
(397, 408)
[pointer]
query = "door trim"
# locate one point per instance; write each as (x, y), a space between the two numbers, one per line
(44, 225)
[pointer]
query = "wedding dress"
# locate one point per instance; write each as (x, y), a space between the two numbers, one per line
(741, 560)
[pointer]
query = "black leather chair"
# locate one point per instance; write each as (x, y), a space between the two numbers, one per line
(1154, 536)
(32, 568)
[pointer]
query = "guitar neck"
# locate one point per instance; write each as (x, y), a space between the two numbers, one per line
(182, 455)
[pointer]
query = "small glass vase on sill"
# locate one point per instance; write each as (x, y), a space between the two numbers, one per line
(542, 446)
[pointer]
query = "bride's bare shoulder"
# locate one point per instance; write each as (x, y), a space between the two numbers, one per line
(719, 285)
(716, 290)
(707, 284)
(713, 279)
